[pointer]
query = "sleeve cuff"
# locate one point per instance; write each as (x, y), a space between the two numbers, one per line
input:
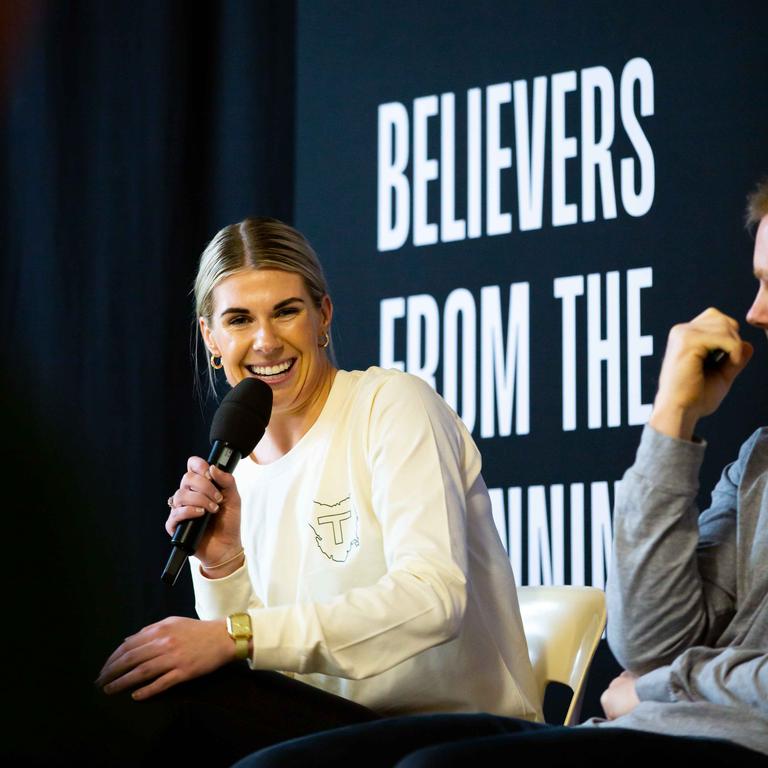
(668, 461)
(217, 598)
(654, 686)
(284, 638)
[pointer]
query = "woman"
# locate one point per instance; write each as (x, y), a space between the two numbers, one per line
(354, 550)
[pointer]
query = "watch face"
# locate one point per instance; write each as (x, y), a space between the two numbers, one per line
(239, 625)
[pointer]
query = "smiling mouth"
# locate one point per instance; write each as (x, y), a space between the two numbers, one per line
(265, 371)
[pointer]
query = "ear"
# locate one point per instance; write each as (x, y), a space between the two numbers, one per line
(207, 334)
(326, 312)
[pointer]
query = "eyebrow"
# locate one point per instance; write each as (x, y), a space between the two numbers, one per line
(285, 302)
(279, 305)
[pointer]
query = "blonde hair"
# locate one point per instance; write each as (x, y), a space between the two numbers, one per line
(757, 204)
(256, 243)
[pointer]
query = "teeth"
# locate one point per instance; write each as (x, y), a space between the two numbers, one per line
(271, 370)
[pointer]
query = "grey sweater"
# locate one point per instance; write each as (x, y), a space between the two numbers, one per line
(688, 593)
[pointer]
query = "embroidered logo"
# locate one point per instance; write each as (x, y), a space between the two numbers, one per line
(335, 529)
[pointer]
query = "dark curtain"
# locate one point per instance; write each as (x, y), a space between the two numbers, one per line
(131, 132)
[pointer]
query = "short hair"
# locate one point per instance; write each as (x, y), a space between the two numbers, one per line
(757, 204)
(256, 243)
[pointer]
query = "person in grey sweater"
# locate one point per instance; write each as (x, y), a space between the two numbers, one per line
(688, 593)
(687, 597)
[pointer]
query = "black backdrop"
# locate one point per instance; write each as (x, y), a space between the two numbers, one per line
(132, 131)
(705, 122)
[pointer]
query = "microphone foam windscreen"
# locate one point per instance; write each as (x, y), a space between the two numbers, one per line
(243, 415)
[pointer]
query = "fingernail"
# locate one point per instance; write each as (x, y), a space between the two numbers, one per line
(201, 510)
(136, 695)
(219, 497)
(213, 507)
(208, 474)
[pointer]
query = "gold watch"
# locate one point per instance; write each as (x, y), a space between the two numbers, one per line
(239, 629)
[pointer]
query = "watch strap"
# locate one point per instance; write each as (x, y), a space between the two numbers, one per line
(241, 647)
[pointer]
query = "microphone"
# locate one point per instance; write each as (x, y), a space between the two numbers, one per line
(714, 358)
(238, 424)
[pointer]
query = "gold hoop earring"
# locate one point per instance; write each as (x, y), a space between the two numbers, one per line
(323, 344)
(217, 366)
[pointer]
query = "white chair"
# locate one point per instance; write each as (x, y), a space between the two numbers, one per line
(563, 626)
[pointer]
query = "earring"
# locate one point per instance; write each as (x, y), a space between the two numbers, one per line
(214, 364)
(325, 342)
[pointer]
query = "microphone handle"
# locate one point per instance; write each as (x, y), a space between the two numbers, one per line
(187, 536)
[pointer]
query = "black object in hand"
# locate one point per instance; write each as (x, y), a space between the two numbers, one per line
(238, 424)
(714, 359)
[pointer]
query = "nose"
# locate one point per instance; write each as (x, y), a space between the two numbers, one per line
(265, 340)
(758, 312)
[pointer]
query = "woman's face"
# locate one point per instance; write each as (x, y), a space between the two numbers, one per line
(265, 325)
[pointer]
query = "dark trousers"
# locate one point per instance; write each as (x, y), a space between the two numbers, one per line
(469, 741)
(213, 720)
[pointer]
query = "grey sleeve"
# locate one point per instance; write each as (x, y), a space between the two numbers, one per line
(733, 677)
(672, 582)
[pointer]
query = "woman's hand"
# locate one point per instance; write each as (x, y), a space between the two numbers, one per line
(169, 652)
(620, 698)
(687, 389)
(196, 495)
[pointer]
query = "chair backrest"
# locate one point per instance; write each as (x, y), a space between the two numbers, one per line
(563, 626)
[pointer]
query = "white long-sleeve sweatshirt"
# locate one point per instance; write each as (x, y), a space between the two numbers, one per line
(373, 567)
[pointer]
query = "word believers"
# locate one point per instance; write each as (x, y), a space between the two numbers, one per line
(418, 158)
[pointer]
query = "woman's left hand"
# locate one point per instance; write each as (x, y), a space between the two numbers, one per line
(166, 653)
